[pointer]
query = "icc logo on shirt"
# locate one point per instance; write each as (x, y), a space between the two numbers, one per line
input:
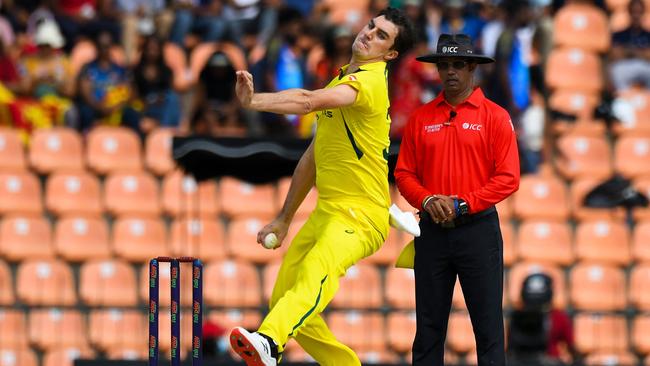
(472, 126)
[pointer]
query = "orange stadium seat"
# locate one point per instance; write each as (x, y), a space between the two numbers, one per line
(597, 287)
(20, 193)
(228, 319)
(45, 282)
(643, 186)
(359, 331)
(640, 331)
(164, 292)
(622, 358)
(639, 100)
(384, 357)
(640, 287)
(401, 331)
(504, 208)
(201, 238)
(132, 194)
(510, 246)
(56, 149)
(603, 241)
(641, 242)
(158, 151)
(55, 328)
(350, 12)
(164, 334)
(360, 288)
(232, 284)
(79, 238)
(7, 296)
(388, 253)
(579, 190)
(107, 283)
(239, 198)
(294, 229)
(25, 238)
(73, 193)
(546, 241)
(619, 20)
(67, 356)
(139, 239)
(242, 241)
(12, 151)
(521, 270)
(460, 337)
(632, 156)
(600, 332)
(17, 356)
(112, 149)
(13, 329)
(574, 69)
(182, 195)
(294, 353)
(306, 207)
(112, 328)
(582, 25)
(579, 103)
(400, 288)
(269, 275)
(541, 197)
(582, 156)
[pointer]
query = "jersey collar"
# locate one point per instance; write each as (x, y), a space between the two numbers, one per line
(475, 99)
(379, 65)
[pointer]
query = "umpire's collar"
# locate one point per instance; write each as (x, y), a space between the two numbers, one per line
(476, 98)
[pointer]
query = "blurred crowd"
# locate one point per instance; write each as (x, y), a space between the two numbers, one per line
(170, 63)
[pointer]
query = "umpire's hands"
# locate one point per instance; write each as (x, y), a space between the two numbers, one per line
(279, 227)
(441, 208)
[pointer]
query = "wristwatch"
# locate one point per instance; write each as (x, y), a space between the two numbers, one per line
(463, 207)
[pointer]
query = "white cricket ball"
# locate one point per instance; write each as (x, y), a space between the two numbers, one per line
(270, 241)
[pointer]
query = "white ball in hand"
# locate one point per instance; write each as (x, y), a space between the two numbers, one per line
(270, 241)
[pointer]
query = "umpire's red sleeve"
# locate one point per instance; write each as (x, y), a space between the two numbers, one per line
(406, 170)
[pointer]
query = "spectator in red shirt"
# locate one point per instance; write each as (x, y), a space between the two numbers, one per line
(458, 158)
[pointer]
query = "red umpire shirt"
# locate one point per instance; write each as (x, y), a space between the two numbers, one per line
(469, 151)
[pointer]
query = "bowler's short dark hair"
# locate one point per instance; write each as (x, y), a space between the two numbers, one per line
(406, 31)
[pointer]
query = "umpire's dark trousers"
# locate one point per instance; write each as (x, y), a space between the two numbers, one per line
(473, 250)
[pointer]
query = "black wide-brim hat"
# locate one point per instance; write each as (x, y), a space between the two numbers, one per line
(455, 45)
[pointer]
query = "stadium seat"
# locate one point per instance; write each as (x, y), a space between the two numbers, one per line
(7, 296)
(79, 238)
(45, 282)
(132, 194)
(269, 275)
(55, 328)
(121, 353)
(596, 287)
(510, 246)
(521, 270)
(232, 284)
(460, 337)
(202, 238)
(293, 353)
(13, 329)
(400, 288)
(73, 193)
(140, 239)
(574, 69)
(23, 237)
(242, 241)
(603, 241)
(294, 229)
(164, 334)
(642, 184)
(384, 357)
(12, 152)
(619, 19)
(164, 287)
(359, 331)
(360, 288)
(641, 242)
(504, 208)
(622, 358)
(541, 196)
(545, 241)
(113, 328)
(182, 195)
(578, 103)
(230, 318)
(640, 331)
(640, 287)
(20, 193)
(582, 25)
(107, 283)
(158, 151)
(579, 190)
(241, 199)
(632, 156)
(388, 253)
(582, 156)
(600, 333)
(350, 12)
(67, 356)
(307, 206)
(401, 331)
(113, 149)
(637, 122)
(17, 356)
(56, 149)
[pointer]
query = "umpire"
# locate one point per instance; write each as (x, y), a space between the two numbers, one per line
(458, 158)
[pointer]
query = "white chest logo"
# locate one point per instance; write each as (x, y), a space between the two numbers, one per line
(472, 126)
(433, 128)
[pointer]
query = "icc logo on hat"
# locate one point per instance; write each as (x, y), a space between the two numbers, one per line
(450, 49)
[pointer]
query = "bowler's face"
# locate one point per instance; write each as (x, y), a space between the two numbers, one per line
(375, 40)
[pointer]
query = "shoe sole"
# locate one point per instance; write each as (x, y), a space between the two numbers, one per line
(245, 349)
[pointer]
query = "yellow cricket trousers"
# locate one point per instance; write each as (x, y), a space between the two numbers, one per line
(335, 237)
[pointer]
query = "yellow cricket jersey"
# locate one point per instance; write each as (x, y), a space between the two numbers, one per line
(351, 146)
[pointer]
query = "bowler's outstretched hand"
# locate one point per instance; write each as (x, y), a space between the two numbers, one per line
(244, 87)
